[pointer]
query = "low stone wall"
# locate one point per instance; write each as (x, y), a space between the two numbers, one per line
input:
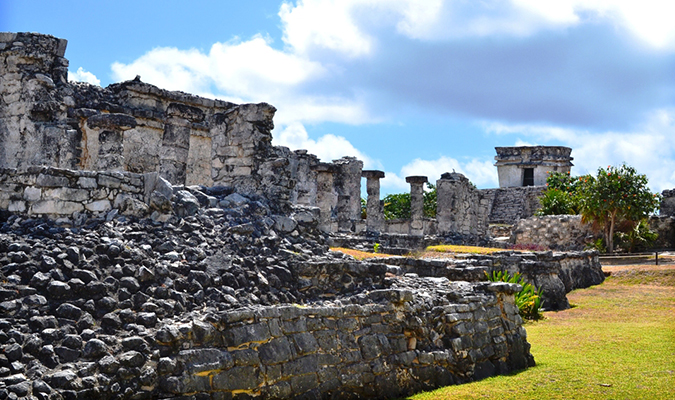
(402, 226)
(453, 270)
(556, 232)
(389, 343)
(556, 273)
(55, 192)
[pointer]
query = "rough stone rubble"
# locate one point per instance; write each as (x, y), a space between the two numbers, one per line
(154, 244)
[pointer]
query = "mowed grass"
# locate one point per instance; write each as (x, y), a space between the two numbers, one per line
(617, 342)
(449, 248)
(358, 254)
(429, 252)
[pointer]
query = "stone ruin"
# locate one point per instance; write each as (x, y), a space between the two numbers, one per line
(155, 244)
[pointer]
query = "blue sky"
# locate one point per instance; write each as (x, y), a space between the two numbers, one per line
(410, 87)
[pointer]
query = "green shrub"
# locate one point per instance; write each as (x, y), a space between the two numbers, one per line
(397, 206)
(639, 238)
(598, 244)
(556, 202)
(528, 300)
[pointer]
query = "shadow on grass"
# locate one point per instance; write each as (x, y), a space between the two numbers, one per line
(510, 374)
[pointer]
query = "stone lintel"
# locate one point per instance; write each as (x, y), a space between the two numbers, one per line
(416, 179)
(372, 174)
(112, 121)
(190, 113)
(324, 167)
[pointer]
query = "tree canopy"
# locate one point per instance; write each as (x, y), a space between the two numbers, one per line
(397, 206)
(617, 195)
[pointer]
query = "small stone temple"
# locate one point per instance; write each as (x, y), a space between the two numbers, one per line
(530, 165)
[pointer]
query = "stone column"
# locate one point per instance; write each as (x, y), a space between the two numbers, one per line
(110, 131)
(416, 203)
(326, 198)
(304, 192)
(374, 207)
(344, 213)
(173, 155)
(347, 181)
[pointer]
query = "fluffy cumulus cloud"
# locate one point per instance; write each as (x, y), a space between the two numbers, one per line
(482, 173)
(327, 148)
(589, 73)
(82, 75)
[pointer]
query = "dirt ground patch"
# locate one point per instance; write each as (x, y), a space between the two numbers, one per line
(643, 274)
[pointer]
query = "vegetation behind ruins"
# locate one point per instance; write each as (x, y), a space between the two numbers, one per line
(397, 206)
(617, 202)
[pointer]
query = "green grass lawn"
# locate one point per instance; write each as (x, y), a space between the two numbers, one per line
(617, 342)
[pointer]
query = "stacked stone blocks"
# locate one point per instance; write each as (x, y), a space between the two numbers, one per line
(383, 349)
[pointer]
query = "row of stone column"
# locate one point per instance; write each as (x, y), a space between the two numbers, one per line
(336, 208)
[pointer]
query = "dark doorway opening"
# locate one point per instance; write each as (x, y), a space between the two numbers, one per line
(528, 177)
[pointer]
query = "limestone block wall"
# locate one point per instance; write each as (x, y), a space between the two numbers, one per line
(512, 162)
(555, 273)
(402, 226)
(461, 208)
(130, 126)
(556, 232)
(54, 192)
(33, 126)
(387, 344)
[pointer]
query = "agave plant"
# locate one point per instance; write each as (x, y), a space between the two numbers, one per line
(528, 300)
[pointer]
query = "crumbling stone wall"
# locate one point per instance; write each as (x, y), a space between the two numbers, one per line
(130, 126)
(61, 193)
(668, 203)
(33, 124)
(217, 304)
(556, 232)
(556, 273)
(664, 226)
(461, 208)
(387, 344)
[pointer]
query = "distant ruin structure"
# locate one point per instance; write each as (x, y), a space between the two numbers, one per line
(530, 165)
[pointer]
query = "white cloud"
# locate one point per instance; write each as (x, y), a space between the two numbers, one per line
(393, 183)
(247, 71)
(650, 20)
(250, 69)
(338, 25)
(343, 26)
(81, 75)
(327, 147)
(650, 148)
(481, 172)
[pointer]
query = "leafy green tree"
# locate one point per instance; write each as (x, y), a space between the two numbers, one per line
(616, 195)
(561, 195)
(397, 206)
(556, 202)
(430, 201)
